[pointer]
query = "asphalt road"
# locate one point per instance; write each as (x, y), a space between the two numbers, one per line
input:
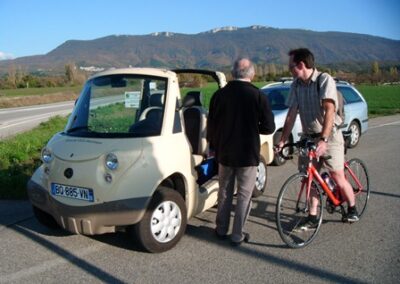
(15, 120)
(364, 252)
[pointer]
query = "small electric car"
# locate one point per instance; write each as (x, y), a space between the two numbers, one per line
(134, 156)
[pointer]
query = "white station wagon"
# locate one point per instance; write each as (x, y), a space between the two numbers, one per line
(133, 156)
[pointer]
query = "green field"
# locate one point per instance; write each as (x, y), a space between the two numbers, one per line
(382, 100)
(38, 91)
(20, 155)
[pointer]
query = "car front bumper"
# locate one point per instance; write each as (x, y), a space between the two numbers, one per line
(92, 219)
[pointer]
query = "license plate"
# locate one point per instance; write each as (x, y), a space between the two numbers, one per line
(72, 192)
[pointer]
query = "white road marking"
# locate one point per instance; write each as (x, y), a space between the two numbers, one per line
(385, 124)
(25, 120)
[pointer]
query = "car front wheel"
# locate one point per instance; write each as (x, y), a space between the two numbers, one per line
(164, 222)
(45, 218)
(278, 159)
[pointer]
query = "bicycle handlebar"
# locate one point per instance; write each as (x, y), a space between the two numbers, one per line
(304, 144)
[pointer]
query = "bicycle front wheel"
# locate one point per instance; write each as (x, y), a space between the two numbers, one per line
(357, 175)
(293, 208)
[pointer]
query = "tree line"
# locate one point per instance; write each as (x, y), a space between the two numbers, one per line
(375, 75)
(18, 78)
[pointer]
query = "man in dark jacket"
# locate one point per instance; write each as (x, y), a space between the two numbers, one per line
(238, 114)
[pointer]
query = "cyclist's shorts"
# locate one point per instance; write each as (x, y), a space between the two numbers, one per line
(335, 150)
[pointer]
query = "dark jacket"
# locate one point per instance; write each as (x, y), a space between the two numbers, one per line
(238, 114)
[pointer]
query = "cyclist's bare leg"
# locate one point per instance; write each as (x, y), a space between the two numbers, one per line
(344, 186)
(314, 202)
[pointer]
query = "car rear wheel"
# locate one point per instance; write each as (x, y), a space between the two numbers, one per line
(355, 134)
(164, 222)
(261, 178)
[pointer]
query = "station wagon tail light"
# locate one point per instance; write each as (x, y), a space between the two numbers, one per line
(111, 161)
(47, 156)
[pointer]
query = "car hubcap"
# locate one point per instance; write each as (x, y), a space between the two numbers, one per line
(261, 176)
(166, 221)
(354, 134)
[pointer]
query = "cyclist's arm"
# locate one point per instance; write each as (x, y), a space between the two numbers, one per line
(329, 119)
(288, 126)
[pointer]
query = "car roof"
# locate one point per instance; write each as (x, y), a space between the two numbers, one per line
(136, 71)
(287, 81)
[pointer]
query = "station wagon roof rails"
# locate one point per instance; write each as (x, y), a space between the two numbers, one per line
(338, 80)
(285, 79)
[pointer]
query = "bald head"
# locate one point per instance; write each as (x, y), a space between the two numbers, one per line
(243, 68)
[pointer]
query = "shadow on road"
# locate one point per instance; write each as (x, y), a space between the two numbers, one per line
(32, 232)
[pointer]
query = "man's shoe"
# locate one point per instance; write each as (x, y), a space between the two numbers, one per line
(309, 223)
(352, 215)
(246, 239)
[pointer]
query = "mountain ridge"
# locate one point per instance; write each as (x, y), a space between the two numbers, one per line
(213, 49)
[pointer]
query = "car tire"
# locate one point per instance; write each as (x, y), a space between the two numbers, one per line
(278, 159)
(261, 179)
(45, 218)
(355, 134)
(163, 223)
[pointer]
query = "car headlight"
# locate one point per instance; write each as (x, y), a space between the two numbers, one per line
(47, 156)
(111, 161)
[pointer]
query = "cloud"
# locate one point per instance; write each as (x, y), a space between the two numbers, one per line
(4, 56)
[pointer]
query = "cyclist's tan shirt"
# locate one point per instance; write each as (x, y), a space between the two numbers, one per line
(305, 97)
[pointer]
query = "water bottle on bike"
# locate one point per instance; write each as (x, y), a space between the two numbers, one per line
(329, 181)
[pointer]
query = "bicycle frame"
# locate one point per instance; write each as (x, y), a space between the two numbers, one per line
(312, 173)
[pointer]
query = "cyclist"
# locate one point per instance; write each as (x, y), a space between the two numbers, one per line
(319, 119)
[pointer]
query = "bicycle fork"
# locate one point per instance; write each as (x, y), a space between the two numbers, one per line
(305, 186)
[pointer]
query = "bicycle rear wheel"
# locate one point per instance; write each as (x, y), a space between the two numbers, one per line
(360, 185)
(293, 207)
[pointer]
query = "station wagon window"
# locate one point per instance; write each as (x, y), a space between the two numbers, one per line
(349, 95)
(277, 97)
(119, 106)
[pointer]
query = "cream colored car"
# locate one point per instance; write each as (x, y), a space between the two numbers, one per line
(133, 156)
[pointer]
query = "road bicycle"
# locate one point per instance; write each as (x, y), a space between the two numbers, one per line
(294, 198)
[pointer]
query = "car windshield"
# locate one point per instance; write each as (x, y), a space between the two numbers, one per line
(119, 106)
(277, 97)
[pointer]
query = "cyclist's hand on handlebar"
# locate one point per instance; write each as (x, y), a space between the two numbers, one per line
(322, 148)
(278, 147)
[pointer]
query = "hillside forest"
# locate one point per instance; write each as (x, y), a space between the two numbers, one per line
(17, 78)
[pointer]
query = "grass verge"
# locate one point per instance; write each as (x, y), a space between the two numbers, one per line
(20, 156)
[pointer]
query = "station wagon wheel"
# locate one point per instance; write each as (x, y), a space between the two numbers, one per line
(278, 159)
(164, 222)
(355, 134)
(261, 178)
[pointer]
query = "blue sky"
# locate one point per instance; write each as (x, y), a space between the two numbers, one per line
(32, 27)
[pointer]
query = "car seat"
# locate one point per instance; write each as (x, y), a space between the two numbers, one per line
(156, 104)
(150, 119)
(195, 118)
